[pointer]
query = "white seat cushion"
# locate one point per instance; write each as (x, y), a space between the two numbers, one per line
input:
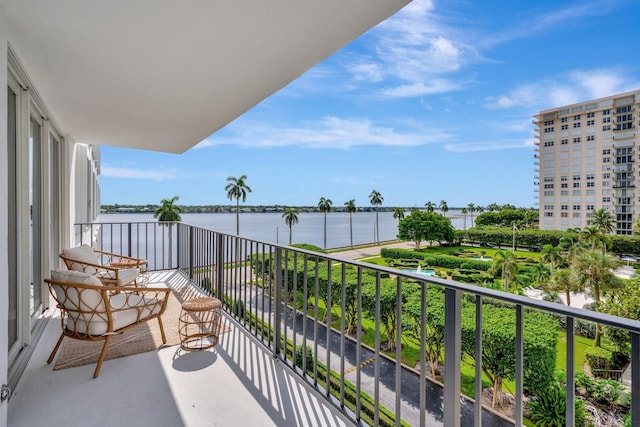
(125, 275)
(83, 254)
(81, 304)
(138, 311)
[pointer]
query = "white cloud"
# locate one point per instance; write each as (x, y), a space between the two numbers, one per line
(569, 88)
(465, 147)
(329, 132)
(154, 175)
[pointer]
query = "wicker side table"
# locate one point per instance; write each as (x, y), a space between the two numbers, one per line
(199, 324)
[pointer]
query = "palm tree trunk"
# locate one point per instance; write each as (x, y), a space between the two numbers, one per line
(377, 228)
(290, 234)
(568, 293)
(238, 217)
(351, 228)
(325, 230)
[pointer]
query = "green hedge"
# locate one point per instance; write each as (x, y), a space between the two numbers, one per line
(431, 260)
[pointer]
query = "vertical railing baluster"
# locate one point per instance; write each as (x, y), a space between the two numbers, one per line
(343, 332)
(635, 379)
(305, 310)
(328, 332)
(190, 247)
(452, 355)
(423, 354)
(477, 407)
(571, 380)
(359, 345)
(315, 323)
(294, 307)
(278, 303)
(129, 239)
(219, 250)
(519, 365)
(376, 362)
(398, 339)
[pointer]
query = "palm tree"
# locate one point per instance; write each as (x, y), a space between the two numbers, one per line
(430, 206)
(398, 213)
(463, 211)
(552, 255)
(593, 271)
(507, 264)
(539, 273)
(592, 235)
(237, 188)
(493, 207)
(603, 220)
(376, 200)
(350, 207)
(471, 209)
(290, 216)
(324, 206)
(168, 213)
(443, 207)
(563, 281)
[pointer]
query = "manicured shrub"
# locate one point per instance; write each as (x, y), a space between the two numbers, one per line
(547, 408)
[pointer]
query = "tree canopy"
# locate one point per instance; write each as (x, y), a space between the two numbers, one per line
(428, 226)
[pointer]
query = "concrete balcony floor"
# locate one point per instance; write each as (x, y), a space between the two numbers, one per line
(237, 383)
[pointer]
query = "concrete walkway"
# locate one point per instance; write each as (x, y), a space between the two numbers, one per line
(371, 251)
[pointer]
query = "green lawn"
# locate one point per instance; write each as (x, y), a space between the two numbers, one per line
(581, 344)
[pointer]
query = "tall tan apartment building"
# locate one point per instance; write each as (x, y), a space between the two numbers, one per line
(587, 157)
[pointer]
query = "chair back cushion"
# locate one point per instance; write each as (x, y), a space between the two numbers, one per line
(84, 308)
(83, 254)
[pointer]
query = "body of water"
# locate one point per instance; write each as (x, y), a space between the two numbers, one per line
(270, 227)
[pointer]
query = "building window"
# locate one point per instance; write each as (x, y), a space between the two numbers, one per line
(548, 214)
(576, 192)
(548, 123)
(606, 112)
(548, 186)
(576, 140)
(564, 207)
(564, 141)
(549, 193)
(564, 215)
(564, 185)
(564, 192)
(576, 207)
(591, 122)
(563, 178)
(564, 127)
(548, 207)
(591, 184)
(576, 125)
(591, 192)
(606, 200)
(548, 144)
(590, 207)
(576, 185)
(606, 183)
(606, 151)
(577, 117)
(606, 160)
(606, 120)
(591, 138)
(548, 130)
(564, 120)
(576, 214)
(548, 179)
(606, 128)
(576, 177)
(591, 115)
(606, 175)
(591, 176)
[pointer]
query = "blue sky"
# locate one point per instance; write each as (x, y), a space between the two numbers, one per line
(434, 103)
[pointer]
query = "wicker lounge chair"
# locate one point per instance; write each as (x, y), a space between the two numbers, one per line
(91, 311)
(110, 268)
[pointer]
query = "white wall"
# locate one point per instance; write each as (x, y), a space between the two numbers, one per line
(4, 219)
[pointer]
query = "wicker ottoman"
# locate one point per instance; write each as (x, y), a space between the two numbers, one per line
(199, 325)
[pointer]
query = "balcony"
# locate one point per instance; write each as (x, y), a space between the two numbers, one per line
(251, 377)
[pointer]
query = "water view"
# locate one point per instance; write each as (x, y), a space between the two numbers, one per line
(270, 227)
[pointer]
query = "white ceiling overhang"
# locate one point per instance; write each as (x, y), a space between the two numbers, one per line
(163, 75)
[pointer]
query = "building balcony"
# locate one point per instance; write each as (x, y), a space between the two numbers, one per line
(253, 377)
